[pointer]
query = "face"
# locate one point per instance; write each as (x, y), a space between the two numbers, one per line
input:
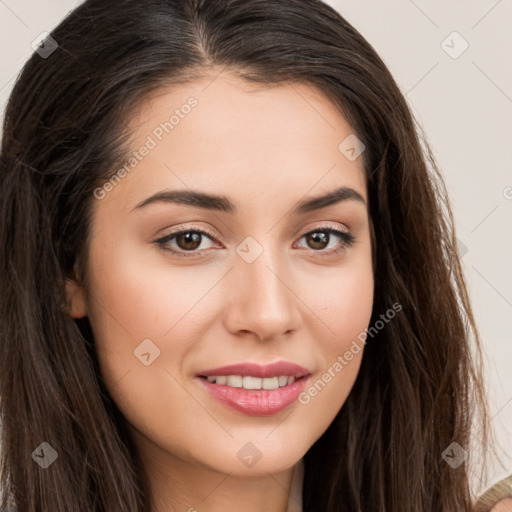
(178, 288)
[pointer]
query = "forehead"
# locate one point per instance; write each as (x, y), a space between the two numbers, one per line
(221, 131)
(226, 104)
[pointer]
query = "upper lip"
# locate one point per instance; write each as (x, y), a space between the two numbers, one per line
(259, 370)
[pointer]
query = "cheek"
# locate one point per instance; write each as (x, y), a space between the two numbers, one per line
(137, 296)
(130, 302)
(139, 317)
(345, 308)
(142, 298)
(344, 301)
(348, 304)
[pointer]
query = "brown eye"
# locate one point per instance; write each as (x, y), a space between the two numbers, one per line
(318, 239)
(188, 240)
(322, 237)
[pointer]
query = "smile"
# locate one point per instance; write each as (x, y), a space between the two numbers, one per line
(250, 382)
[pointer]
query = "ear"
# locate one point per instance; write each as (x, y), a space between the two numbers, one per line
(76, 305)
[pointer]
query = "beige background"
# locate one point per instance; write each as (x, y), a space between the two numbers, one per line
(465, 107)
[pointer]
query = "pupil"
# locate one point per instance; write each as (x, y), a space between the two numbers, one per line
(319, 238)
(191, 240)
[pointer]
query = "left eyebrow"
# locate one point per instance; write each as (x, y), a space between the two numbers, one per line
(224, 204)
(336, 196)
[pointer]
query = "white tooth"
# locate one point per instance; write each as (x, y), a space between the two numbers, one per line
(221, 379)
(283, 380)
(252, 382)
(270, 383)
(234, 381)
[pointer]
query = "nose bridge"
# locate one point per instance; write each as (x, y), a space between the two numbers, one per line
(262, 299)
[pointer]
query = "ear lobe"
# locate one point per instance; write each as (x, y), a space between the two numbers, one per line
(76, 306)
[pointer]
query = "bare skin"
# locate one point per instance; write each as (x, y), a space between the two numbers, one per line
(503, 506)
(265, 149)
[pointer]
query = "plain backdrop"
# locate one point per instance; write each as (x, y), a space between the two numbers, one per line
(452, 62)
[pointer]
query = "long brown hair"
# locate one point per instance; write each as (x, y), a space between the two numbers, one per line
(418, 389)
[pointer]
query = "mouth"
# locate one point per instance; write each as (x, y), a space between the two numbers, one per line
(251, 382)
(258, 390)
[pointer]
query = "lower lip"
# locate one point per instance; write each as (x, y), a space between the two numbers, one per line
(256, 402)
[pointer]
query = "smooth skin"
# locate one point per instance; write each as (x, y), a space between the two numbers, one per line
(265, 148)
(503, 506)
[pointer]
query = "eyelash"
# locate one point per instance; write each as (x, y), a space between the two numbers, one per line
(347, 240)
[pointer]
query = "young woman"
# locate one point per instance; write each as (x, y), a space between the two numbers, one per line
(229, 273)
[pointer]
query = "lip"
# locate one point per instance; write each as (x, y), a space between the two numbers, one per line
(258, 370)
(255, 402)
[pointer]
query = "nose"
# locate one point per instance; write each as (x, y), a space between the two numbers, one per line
(262, 300)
